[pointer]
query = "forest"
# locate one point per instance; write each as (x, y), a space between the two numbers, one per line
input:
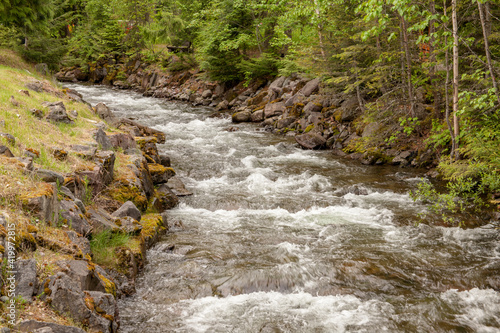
(401, 59)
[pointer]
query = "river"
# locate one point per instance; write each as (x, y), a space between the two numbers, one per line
(280, 239)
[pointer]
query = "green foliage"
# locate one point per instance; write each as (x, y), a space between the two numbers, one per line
(9, 37)
(104, 243)
(44, 49)
(463, 196)
(266, 65)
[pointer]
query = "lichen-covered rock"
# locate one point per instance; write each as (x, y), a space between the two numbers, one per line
(257, 116)
(9, 138)
(164, 199)
(60, 154)
(83, 151)
(104, 112)
(128, 209)
(141, 130)
(26, 162)
(105, 161)
(160, 174)
(128, 225)
(57, 112)
(81, 243)
(310, 87)
(371, 129)
(153, 227)
(71, 215)
(42, 202)
(310, 140)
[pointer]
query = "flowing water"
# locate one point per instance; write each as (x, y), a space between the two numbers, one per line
(279, 239)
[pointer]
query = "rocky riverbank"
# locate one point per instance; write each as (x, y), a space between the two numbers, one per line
(294, 106)
(83, 198)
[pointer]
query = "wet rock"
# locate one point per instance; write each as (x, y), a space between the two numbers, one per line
(57, 112)
(122, 140)
(104, 112)
(36, 326)
(100, 220)
(177, 186)
(129, 225)
(224, 105)
(26, 281)
(165, 160)
(102, 139)
(283, 123)
(82, 243)
(402, 159)
(140, 130)
(310, 140)
(149, 148)
(165, 199)
(49, 176)
(274, 109)
(240, 117)
(83, 151)
(4, 150)
(72, 216)
(310, 87)
(128, 209)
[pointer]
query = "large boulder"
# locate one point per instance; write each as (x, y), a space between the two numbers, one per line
(101, 220)
(350, 109)
(42, 202)
(241, 117)
(140, 130)
(160, 174)
(57, 112)
(310, 87)
(164, 199)
(257, 116)
(274, 109)
(178, 187)
(49, 176)
(122, 140)
(310, 140)
(102, 139)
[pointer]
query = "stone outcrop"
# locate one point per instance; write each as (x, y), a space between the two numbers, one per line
(57, 112)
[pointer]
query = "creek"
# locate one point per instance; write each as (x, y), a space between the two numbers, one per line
(280, 239)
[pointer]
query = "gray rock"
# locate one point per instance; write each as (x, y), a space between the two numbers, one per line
(43, 330)
(129, 225)
(283, 123)
(71, 215)
(34, 86)
(312, 107)
(102, 139)
(350, 109)
(104, 112)
(122, 140)
(4, 150)
(257, 116)
(5, 330)
(101, 221)
(74, 113)
(206, 94)
(177, 186)
(310, 140)
(128, 209)
(33, 325)
(105, 161)
(4, 299)
(310, 87)
(224, 105)
(297, 98)
(44, 205)
(82, 151)
(57, 112)
(87, 278)
(26, 279)
(30, 154)
(49, 176)
(67, 192)
(81, 242)
(242, 116)
(274, 109)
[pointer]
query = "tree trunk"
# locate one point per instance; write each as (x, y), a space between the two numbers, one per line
(432, 74)
(447, 86)
(487, 49)
(320, 35)
(408, 66)
(456, 124)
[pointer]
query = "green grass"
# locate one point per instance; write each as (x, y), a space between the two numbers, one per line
(103, 245)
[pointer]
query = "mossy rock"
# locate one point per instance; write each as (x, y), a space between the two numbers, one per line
(129, 193)
(152, 228)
